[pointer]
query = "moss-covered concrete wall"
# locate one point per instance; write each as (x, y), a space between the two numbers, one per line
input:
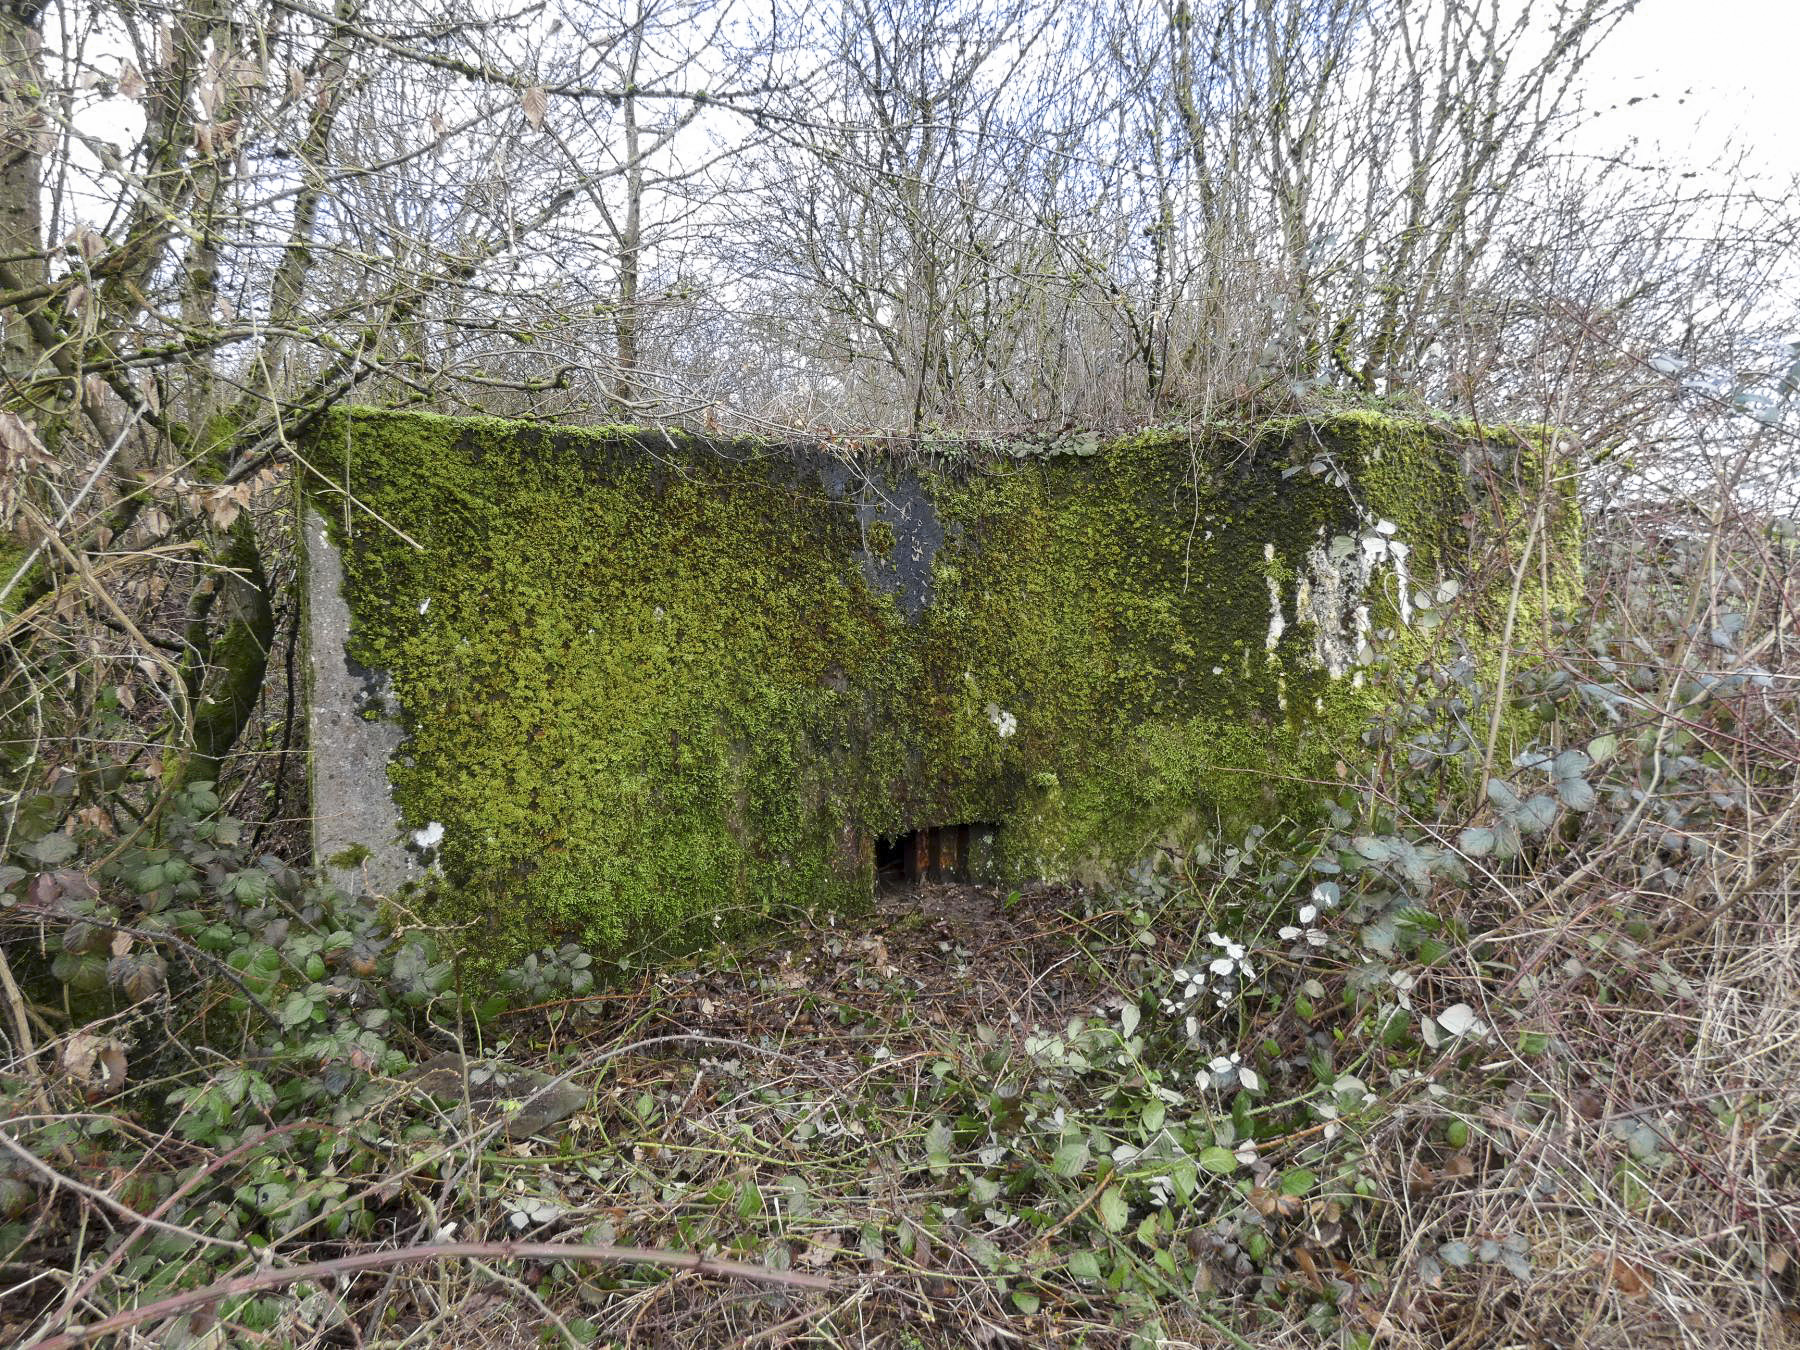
(652, 685)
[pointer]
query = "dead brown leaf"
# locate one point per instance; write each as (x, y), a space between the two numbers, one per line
(112, 1060)
(79, 1055)
(1457, 1168)
(1420, 1179)
(1631, 1280)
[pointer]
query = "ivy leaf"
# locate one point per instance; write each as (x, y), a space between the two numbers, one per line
(984, 1253)
(1374, 849)
(1381, 935)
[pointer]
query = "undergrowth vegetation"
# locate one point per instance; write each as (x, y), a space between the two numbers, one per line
(1528, 1074)
(1473, 1043)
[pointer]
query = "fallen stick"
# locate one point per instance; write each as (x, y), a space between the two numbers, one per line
(350, 1265)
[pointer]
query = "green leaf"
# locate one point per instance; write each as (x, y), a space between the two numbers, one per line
(1297, 1181)
(271, 1197)
(1220, 1160)
(1536, 814)
(1025, 1301)
(1571, 764)
(1477, 841)
(1070, 1160)
(1577, 794)
(51, 849)
(1084, 1266)
(1112, 1209)
(937, 1147)
(749, 1201)
(984, 1253)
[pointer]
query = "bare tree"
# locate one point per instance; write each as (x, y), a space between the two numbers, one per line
(221, 219)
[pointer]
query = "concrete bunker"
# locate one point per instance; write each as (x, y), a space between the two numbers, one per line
(639, 687)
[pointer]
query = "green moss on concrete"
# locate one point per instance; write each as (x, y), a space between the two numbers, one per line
(655, 691)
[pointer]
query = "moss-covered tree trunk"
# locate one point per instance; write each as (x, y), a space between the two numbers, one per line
(231, 626)
(21, 172)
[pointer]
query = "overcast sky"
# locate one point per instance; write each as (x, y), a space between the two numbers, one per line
(1711, 74)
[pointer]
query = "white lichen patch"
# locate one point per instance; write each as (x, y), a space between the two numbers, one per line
(1398, 551)
(1277, 624)
(1333, 589)
(1004, 723)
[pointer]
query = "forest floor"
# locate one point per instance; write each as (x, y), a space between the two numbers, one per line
(933, 1105)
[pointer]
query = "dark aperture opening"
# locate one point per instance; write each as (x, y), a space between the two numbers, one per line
(934, 853)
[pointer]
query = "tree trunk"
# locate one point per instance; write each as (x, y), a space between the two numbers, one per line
(230, 630)
(625, 320)
(22, 128)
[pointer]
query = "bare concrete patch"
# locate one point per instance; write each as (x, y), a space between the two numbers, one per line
(352, 733)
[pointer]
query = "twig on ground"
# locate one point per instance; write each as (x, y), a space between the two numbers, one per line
(443, 1251)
